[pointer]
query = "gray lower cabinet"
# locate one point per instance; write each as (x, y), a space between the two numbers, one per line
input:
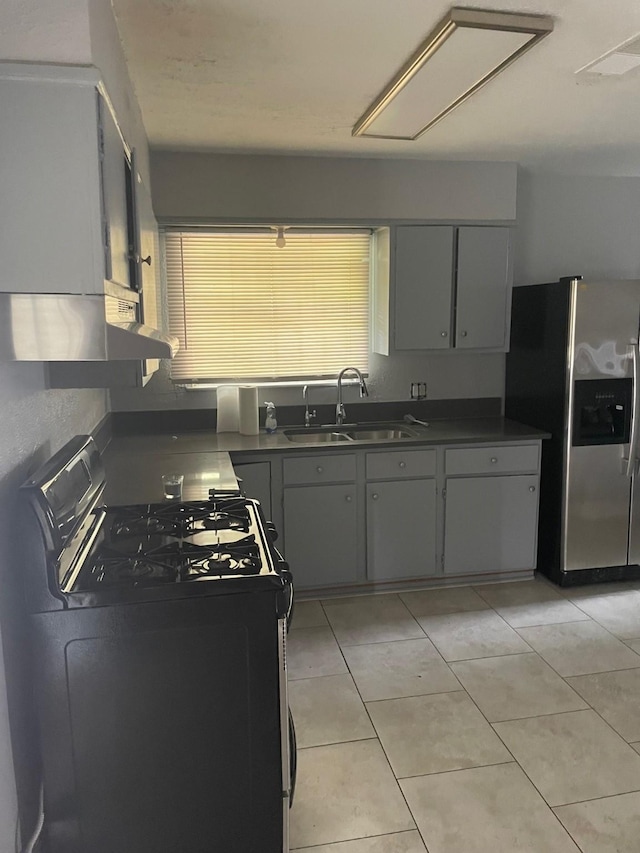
(321, 534)
(490, 524)
(401, 529)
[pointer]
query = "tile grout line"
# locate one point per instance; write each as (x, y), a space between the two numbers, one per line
(384, 752)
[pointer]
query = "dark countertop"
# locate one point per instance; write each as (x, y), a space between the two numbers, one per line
(135, 475)
(461, 431)
(135, 463)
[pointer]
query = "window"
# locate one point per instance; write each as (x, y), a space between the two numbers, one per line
(244, 308)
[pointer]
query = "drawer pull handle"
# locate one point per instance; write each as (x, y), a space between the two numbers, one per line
(375, 496)
(403, 464)
(494, 459)
(348, 499)
(319, 469)
(532, 488)
(443, 334)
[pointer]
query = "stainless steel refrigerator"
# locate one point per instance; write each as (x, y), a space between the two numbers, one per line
(573, 370)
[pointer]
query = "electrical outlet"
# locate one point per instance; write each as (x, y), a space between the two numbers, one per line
(418, 390)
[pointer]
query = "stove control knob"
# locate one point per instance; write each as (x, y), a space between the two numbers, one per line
(319, 469)
(272, 531)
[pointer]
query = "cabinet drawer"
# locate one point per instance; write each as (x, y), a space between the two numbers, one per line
(492, 460)
(320, 469)
(397, 464)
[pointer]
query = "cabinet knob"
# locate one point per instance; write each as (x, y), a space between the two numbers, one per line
(319, 469)
(348, 499)
(463, 334)
(494, 459)
(375, 496)
(532, 488)
(443, 334)
(402, 464)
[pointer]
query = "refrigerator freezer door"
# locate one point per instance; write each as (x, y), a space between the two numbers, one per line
(597, 510)
(607, 316)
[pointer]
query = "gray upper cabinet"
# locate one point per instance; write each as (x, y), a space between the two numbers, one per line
(52, 241)
(424, 286)
(483, 288)
(452, 287)
(64, 180)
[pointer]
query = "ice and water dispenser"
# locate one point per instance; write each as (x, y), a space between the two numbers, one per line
(602, 411)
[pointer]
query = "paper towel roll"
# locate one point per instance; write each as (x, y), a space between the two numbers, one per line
(227, 419)
(248, 409)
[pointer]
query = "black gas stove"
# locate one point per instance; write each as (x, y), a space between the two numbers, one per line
(159, 637)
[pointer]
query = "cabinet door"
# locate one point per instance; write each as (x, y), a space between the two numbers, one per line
(401, 529)
(490, 524)
(423, 286)
(483, 284)
(321, 535)
(255, 482)
(115, 175)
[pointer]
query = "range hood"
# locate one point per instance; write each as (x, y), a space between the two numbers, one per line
(77, 328)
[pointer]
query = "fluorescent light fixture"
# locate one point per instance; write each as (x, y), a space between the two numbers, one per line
(467, 49)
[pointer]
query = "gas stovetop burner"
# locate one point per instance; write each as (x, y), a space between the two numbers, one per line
(176, 543)
(181, 519)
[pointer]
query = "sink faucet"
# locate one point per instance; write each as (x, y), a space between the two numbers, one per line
(364, 392)
(307, 414)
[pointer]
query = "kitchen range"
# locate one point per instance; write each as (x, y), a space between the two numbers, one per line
(159, 645)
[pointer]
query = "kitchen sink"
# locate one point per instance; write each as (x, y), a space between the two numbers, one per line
(375, 434)
(324, 435)
(314, 436)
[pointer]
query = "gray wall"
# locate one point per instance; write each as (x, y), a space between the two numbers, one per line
(286, 189)
(281, 189)
(34, 421)
(577, 225)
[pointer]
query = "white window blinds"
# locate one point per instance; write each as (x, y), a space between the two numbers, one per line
(243, 308)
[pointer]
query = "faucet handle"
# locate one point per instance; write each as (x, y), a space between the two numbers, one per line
(309, 416)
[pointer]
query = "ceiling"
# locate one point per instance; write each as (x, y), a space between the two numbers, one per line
(292, 76)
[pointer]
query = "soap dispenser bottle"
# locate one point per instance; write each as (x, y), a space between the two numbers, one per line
(270, 423)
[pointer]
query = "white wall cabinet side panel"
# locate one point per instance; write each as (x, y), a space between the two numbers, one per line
(490, 524)
(51, 235)
(256, 482)
(114, 187)
(483, 286)
(149, 273)
(423, 286)
(321, 534)
(401, 529)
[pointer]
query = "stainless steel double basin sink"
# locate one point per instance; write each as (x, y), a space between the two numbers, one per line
(335, 434)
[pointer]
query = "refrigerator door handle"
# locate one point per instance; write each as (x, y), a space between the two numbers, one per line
(633, 438)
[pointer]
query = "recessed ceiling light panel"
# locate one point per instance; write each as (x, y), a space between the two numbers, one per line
(465, 50)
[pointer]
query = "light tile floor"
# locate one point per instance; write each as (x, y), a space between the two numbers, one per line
(491, 719)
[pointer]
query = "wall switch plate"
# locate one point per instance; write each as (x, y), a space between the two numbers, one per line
(418, 390)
